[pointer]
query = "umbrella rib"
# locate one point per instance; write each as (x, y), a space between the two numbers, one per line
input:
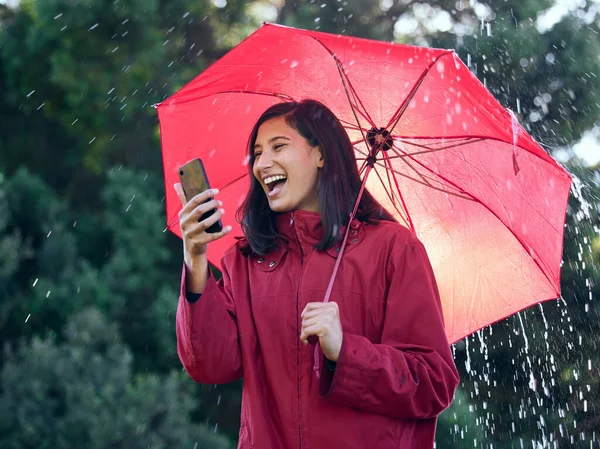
(391, 196)
(398, 114)
(350, 126)
(430, 150)
(345, 80)
(426, 184)
(482, 137)
(389, 164)
(283, 97)
(536, 259)
(424, 180)
(396, 150)
(343, 77)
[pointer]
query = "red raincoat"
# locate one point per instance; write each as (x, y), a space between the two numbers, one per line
(395, 372)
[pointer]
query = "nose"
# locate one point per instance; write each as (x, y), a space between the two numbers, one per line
(264, 161)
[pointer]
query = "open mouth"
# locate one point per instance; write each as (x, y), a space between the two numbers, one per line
(275, 182)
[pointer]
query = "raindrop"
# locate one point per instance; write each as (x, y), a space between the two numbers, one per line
(27, 319)
(35, 282)
(30, 93)
(93, 27)
(58, 16)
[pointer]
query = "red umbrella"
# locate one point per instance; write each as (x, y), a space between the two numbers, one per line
(450, 162)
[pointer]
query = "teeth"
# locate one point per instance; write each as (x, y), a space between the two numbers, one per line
(271, 179)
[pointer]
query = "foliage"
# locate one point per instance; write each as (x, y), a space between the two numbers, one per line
(84, 392)
(89, 278)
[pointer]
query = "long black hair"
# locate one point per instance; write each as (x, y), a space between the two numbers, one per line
(338, 181)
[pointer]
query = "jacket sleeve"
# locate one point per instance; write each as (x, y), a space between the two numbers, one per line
(207, 334)
(411, 373)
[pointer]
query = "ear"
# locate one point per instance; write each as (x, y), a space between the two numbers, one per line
(321, 160)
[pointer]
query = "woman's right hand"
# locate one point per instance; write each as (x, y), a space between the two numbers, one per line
(193, 231)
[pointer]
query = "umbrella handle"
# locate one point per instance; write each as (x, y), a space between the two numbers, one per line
(338, 260)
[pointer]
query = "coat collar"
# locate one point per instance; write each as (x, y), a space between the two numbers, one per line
(305, 228)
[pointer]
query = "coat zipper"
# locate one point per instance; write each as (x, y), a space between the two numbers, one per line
(298, 330)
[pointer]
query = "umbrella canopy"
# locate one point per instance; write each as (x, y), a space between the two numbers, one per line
(455, 166)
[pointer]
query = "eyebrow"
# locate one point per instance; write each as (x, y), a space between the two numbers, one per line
(273, 139)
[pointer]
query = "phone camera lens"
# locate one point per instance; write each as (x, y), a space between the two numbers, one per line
(181, 172)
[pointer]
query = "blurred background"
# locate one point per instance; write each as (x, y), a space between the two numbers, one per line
(89, 277)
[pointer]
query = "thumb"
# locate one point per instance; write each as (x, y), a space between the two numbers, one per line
(180, 193)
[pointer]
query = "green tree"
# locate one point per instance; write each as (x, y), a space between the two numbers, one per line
(83, 392)
(78, 81)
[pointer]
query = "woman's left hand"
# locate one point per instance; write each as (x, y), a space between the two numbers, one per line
(323, 320)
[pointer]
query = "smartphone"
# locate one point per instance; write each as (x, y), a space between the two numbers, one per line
(194, 181)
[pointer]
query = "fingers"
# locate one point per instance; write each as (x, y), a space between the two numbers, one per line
(317, 330)
(194, 202)
(199, 227)
(180, 193)
(196, 213)
(317, 319)
(313, 309)
(193, 227)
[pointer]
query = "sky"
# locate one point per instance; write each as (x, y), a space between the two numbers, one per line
(588, 148)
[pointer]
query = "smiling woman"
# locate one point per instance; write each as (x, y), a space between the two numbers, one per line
(286, 165)
(306, 144)
(372, 367)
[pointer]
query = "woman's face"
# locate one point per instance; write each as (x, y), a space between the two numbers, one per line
(286, 167)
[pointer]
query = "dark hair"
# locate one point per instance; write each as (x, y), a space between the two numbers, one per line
(338, 182)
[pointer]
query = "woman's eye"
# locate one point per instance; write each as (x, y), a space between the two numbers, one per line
(256, 155)
(278, 146)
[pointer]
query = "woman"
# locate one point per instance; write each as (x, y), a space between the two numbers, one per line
(386, 370)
